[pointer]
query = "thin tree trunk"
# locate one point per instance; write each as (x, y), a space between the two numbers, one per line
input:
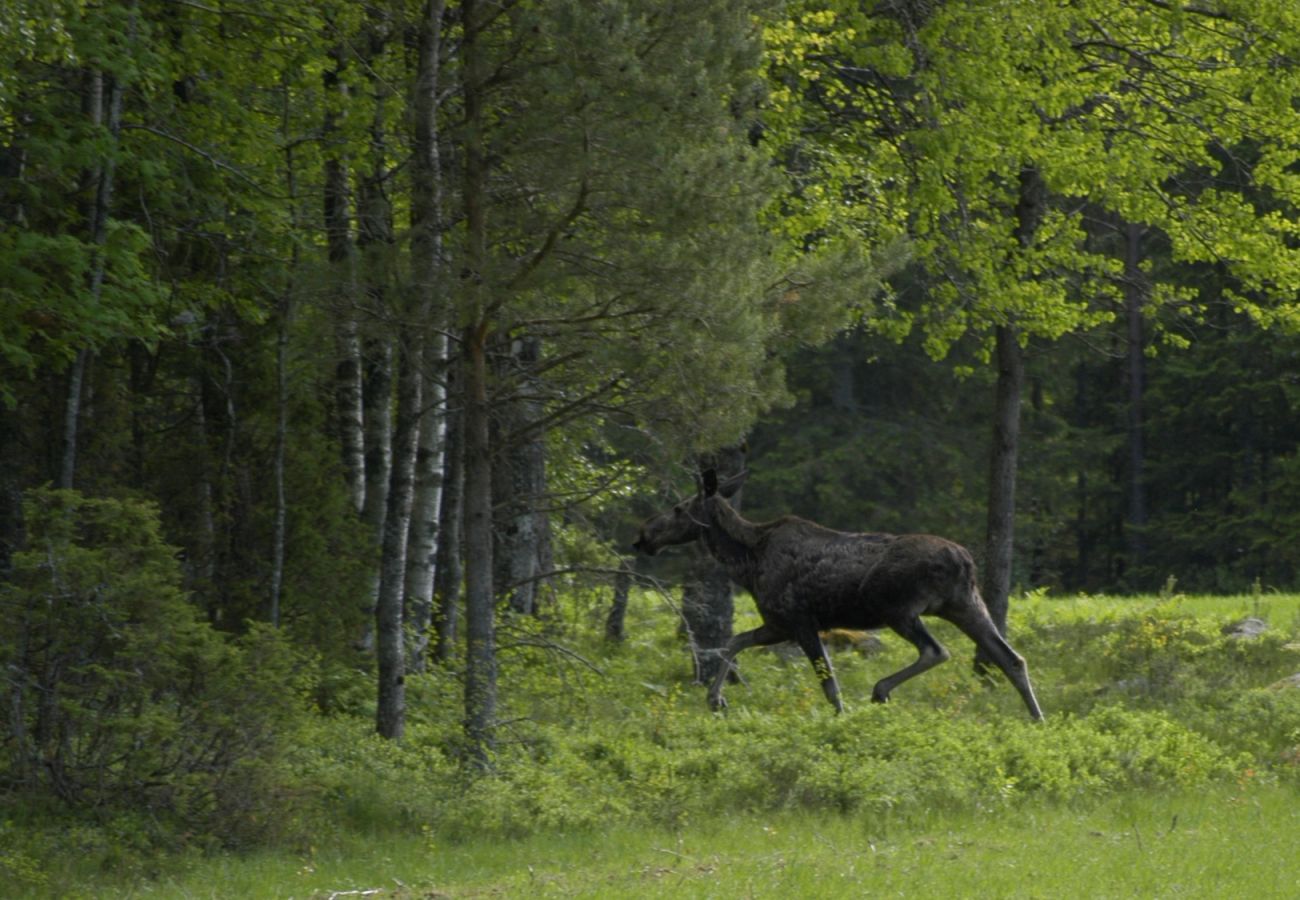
(615, 622)
(448, 570)
(1000, 542)
(72, 418)
(390, 648)
(375, 241)
(708, 604)
(999, 547)
(104, 107)
(11, 506)
(341, 253)
(427, 267)
(203, 559)
(519, 482)
(480, 664)
(1134, 300)
(279, 538)
(377, 398)
(1082, 538)
(376, 238)
(350, 410)
(421, 554)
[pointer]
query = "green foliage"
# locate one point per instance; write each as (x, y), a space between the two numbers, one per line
(923, 122)
(878, 440)
(118, 695)
(602, 735)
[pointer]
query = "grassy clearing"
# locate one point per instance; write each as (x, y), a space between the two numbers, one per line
(1169, 766)
(1235, 841)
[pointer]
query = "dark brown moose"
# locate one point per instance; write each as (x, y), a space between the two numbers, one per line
(805, 579)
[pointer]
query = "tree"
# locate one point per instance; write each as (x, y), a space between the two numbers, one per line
(74, 274)
(707, 604)
(634, 261)
(989, 136)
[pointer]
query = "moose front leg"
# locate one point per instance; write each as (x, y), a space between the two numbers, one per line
(811, 644)
(761, 636)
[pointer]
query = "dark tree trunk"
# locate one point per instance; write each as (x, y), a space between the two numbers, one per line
(203, 558)
(480, 625)
(519, 482)
(999, 547)
(377, 399)
(103, 105)
(11, 509)
(279, 536)
(480, 662)
(1082, 534)
(708, 607)
(1000, 542)
(614, 622)
(1134, 300)
(72, 418)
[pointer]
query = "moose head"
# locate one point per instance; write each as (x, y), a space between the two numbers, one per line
(689, 518)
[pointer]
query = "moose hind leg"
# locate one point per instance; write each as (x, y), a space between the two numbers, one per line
(1013, 666)
(991, 645)
(932, 653)
(815, 650)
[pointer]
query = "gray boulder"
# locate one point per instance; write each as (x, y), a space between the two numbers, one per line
(1246, 629)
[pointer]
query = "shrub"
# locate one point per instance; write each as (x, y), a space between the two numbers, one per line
(117, 695)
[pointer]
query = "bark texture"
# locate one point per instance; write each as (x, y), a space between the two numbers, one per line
(708, 604)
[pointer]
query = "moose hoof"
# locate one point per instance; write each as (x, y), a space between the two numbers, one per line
(717, 702)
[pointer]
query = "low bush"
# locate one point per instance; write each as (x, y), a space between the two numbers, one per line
(118, 698)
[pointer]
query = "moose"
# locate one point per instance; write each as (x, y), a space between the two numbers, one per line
(806, 578)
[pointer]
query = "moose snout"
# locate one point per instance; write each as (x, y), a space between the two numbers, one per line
(641, 545)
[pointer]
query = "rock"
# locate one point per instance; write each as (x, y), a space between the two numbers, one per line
(1245, 629)
(1139, 684)
(1291, 682)
(864, 643)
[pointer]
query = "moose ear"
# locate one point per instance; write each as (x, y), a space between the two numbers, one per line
(709, 482)
(732, 485)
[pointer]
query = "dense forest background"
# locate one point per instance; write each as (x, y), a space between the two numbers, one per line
(366, 330)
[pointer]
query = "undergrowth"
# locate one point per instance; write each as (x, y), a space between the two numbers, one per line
(1138, 696)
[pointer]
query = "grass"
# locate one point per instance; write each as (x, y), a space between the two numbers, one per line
(1228, 841)
(1280, 610)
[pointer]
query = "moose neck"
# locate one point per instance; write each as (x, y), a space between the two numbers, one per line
(732, 540)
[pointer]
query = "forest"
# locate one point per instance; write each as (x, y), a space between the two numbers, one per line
(344, 345)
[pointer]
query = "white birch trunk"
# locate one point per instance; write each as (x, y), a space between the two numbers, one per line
(422, 543)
